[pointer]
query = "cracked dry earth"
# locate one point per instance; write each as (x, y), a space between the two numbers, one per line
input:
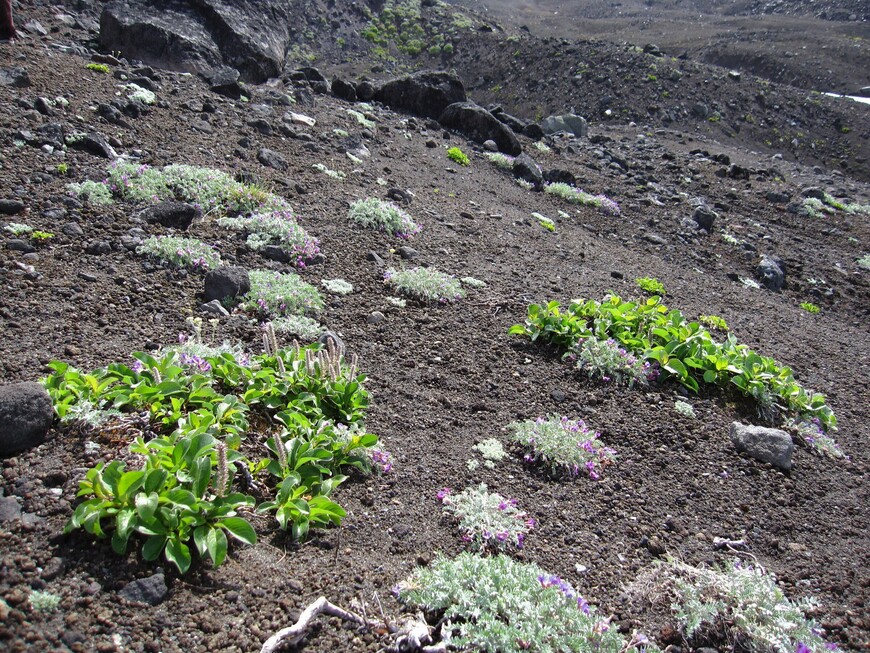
(442, 378)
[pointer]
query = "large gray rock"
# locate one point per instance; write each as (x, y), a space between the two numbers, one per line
(425, 93)
(568, 122)
(767, 445)
(251, 36)
(26, 415)
(480, 125)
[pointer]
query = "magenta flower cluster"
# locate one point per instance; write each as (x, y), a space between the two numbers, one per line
(487, 520)
(382, 460)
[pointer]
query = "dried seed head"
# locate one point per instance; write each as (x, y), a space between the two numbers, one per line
(280, 451)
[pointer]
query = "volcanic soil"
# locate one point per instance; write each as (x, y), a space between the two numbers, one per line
(442, 377)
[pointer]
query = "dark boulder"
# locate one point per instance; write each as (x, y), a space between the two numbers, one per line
(559, 176)
(343, 90)
(201, 35)
(425, 93)
(92, 143)
(178, 215)
(771, 272)
(526, 168)
(226, 281)
(480, 125)
(225, 81)
(26, 414)
(533, 131)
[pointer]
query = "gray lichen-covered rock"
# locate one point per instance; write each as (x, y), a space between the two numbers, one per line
(26, 414)
(765, 444)
(569, 123)
(771, 272)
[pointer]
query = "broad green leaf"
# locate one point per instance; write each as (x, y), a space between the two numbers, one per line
(129, 483)
(146, 505)
(178, 553)
(153, 546)
(239, 529)
(217, 546)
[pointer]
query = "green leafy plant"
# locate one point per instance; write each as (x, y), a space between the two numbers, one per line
(98, 68)
(679, 348)
(41, 236)
(714, 321)
(276, 293)
(62, 168)
(568, 447)
(373, 213)
(809, 307)
(487, 520)
(651, 286)
(457, 156)
(497, 604)
(740, 603)
(425, 284)
(545, 222)
(189, 253)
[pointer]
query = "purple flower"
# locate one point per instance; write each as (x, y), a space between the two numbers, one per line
(802, 648)
(520, 539)
(137, 366)
(582, 604)
(443, 494)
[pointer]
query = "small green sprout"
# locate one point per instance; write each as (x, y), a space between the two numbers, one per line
(809, 307)
(62, 168)
(44, 601)
(98, 68)
(41, 236)
(545, 222)
(457, 156)
(714, 321)
(651, 285)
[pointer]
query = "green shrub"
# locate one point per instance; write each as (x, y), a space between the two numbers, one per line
(98, 68)
(651, 286)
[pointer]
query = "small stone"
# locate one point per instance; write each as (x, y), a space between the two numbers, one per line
(214, 307)
(326, 336)
(26, 414)
(431, 143)
(10, 509)
(771, 272)
(72, 229)
(20, 245)
(616, 274)
(375, 258)
(88, 276)
(271, 159)
(704, 216)
(768, 445)
(93, 143)
(376, 317)
(151, 590)
(408, 253)
(490, 145)
(558, 396)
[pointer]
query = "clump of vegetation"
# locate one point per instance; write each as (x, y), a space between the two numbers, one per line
(740, 603)
(471, 282)
(651, 286)
(607, 360)
(487, 520)
(181, 495)
(809, 307)
(496, 604)
(98, 68)
(305, 328)
(276, 294)
(864, 262)
(335, 174)
(92, 192)
(714, 321)
(361, 118)
(190, 253)
(18, 229)
(139, 94)
(385, 216)
(337, 286)
(278, 228)
(684, 408)
(457, 156)
(425, 284)
(491, 450)
(567, 447)
(682, 350)
(545, 222)
(577, 196)
(502, 161)
(43, 601)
